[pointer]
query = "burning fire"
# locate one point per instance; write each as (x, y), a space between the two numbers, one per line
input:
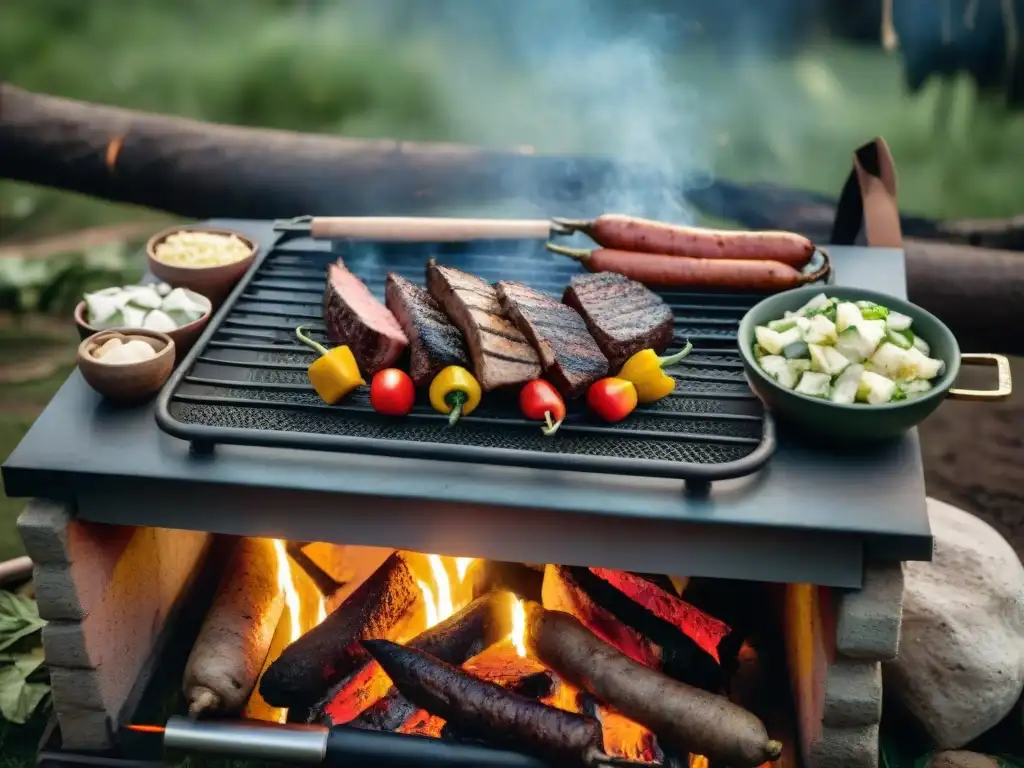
(518, 635)
(291, 595)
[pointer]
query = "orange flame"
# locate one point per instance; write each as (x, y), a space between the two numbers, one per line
(291, 595)
(442, 597)
(518, 634)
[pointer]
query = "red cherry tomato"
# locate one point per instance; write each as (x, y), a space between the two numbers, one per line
(392, 392)
(539, 400)
(612, 399)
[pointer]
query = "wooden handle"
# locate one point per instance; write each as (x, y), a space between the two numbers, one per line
(411, 229)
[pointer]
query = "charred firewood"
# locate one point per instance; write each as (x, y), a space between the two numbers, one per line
(324, 655)
(683, 717)
(536, 685)
(713, 635)
(498, 663)
(486, 711)
(629, 626)
(480, 624)
(515, 577)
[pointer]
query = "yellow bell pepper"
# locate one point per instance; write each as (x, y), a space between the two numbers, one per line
(335, 373)
(455, 392)
(645, 370)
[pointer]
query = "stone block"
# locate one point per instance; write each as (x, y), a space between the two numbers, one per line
(868, 619)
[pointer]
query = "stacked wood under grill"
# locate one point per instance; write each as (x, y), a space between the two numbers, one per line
(616, 665)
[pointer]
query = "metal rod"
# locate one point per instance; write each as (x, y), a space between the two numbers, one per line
(252, 739)
(338, 747)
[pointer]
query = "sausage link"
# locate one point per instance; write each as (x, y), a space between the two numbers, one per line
(689, 719)
(659, 270)
(628, 233)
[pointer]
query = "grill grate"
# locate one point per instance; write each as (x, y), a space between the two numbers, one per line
(245, 382)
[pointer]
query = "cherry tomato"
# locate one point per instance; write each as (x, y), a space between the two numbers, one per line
(539, 400)
(392, 392)
(612, 399)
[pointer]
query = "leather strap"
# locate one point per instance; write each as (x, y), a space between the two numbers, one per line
(868, 201)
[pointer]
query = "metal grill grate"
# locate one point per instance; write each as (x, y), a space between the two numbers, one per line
(246, 383)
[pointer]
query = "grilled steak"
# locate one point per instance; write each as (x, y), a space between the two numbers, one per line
(353, 316)
(568, 353)
(623, 316)
(502, 357)
(434, 343)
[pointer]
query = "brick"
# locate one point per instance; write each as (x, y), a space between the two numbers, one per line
(868, 619)
(79, 688)
(107, 595)
(88, 730)
(64, 645)
(43, 528)
(844, 748)
(853, 693)
(57, 594)
(838, 700)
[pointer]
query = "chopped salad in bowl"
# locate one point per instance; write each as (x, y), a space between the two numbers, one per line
(850, 363)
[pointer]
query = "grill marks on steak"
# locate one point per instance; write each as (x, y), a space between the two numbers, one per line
(502, 356)
(622, 315)
(568, 353)
(355, 317)
(434, 343)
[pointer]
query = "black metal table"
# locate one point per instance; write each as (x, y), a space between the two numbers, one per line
(810, 516)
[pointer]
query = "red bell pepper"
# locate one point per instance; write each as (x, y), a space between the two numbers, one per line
(539, 400)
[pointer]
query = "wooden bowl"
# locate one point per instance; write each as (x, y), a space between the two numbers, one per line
(184, 337)
(215, 283)
(127, 382)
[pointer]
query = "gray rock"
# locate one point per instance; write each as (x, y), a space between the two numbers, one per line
(960, 667)
(961, 759)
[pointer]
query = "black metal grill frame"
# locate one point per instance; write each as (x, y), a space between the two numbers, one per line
(711, 428)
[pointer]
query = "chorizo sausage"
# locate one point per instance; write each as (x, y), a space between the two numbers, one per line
(659, 270)
(628, 233)
(485, 710)
(684, 717)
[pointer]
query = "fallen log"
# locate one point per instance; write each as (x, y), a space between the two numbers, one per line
(638, 632)
(203, 170)
(480, 624)
(329, 651)
(486, 711)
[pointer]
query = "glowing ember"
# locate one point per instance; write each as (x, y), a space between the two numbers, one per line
(321, 611)
(518, 635)
(698, 761)
(291, 595)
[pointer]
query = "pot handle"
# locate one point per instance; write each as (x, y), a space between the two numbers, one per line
(1004, 386)
(868, 201)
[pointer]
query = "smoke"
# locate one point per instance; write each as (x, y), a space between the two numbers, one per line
(566, 75)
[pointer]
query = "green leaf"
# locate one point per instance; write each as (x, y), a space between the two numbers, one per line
(19, 618)
(19, 698)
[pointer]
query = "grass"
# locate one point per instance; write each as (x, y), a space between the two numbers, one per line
(276, 63)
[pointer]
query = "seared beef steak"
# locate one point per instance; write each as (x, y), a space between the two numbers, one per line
(434, 343)
(353, 316)
(502, 357)
(568, 353)
(622, 315)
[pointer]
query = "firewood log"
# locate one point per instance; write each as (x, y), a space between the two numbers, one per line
(320, 658)
(454, 640)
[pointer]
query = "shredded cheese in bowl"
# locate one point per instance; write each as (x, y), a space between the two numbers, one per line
(194, 249)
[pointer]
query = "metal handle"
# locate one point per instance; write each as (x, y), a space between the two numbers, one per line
(1004, 385)
(414, 229)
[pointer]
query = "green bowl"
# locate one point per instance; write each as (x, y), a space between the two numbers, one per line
(860, 421)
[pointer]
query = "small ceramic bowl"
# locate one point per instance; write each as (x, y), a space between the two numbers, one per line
(127, 382)
(215, 283)
(183, 337)
(861, 422)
